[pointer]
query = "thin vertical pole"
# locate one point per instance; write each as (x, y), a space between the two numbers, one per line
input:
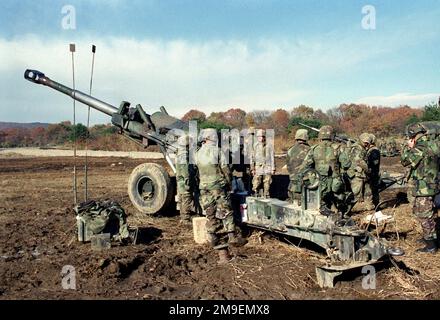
(75, 193)
(88, 124)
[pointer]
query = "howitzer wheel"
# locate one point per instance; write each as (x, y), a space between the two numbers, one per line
(150, 188)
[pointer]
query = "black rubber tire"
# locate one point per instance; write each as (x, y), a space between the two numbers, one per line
(159, 178)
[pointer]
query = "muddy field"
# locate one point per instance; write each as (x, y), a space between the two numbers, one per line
(37, 238)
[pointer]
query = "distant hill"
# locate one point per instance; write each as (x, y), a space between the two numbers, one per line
(8, 125)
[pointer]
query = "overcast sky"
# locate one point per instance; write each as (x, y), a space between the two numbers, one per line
(214, 55)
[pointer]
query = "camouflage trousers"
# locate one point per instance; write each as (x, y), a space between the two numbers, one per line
(410, 187)
(185, 191)
(264, 180)
(423, 209)
(332, 191)
(357, 187)
(186, 204)
(294, 191)
(217, 207)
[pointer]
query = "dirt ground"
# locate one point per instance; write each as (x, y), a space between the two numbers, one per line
(38, 238)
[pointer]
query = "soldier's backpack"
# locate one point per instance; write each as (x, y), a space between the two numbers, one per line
(99, 217)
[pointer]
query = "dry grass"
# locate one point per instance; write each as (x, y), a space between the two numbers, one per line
(414, 275)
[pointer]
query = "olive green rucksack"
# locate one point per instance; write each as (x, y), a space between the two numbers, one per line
(99, 217)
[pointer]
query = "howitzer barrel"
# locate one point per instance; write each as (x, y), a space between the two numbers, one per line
(39, 78)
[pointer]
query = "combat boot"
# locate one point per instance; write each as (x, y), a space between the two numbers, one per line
(430, 247)
(236, 241)
(213, 240)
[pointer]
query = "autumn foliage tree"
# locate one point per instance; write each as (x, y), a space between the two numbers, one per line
(350, 119)
(354, 119)
(194, 115)
(38, 136)
(235, 118)
(280, 120)
(302, 111)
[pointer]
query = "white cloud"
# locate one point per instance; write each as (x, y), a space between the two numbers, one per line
(416, 100)
(179, 74)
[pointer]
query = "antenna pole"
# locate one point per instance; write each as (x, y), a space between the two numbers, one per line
(88, 124)
(75, 193)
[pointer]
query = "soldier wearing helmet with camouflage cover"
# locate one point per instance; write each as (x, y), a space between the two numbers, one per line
(357, 172)
(185, 178)
(373, 175)
(327, 158)
(262, 165)
(422, 155)
(295, 157)
(215, 182)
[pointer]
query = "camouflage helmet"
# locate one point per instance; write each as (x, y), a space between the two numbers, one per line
(302, 134)
(365, 138)
(372, 138)
(413, 129)
(326, 133)
(208, 134)
(261, 133)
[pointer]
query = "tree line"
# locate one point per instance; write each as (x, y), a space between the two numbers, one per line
(349, 119)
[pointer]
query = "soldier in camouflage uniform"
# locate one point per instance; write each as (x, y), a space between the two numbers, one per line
(393, 146)
(215, 182)
(357, 172)
(410, 184)
(422, 156)
(373, 175)
(389, 148)
(295, 157)
(262, 165)
(327, 158)
(185, 179)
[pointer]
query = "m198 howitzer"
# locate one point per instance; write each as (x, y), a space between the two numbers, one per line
(151, 191)
(149, 186)
(336, 137)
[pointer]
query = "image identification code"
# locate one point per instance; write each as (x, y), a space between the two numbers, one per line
(221, 309)
(241, 309)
